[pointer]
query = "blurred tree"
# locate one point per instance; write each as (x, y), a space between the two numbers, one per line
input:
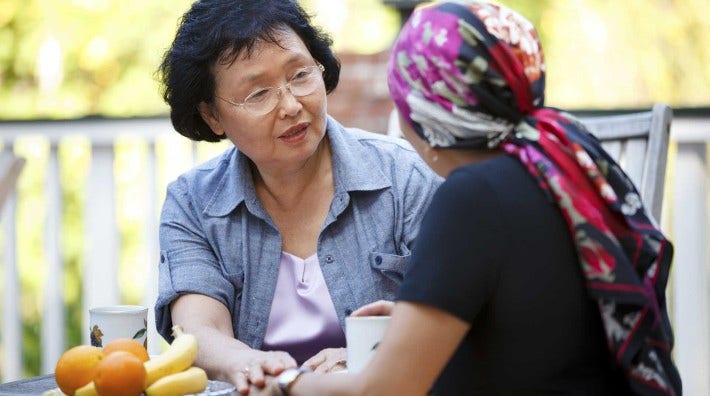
(610, 54)
(71, 58)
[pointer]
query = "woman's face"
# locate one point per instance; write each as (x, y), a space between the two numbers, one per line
(289, 134)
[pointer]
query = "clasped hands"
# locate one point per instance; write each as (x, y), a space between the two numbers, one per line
(256, 375)
(258, 366)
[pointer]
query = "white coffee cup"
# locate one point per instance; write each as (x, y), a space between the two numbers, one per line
(110, 322)
(362, 335)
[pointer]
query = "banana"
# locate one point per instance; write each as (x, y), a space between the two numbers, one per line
(178, 357)
(192, 380)
(86, 390)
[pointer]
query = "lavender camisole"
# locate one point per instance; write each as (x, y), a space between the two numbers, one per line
(303, 320)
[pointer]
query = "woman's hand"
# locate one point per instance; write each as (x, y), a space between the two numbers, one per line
(253, 365)
(377, 308)
(327, 360)
(221, 355)
(271, 388)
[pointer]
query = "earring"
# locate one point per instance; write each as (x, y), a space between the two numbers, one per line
(431, 153)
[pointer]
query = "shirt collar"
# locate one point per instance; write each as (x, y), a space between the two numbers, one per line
(354, 169)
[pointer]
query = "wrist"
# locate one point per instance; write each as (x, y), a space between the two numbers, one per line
(288, 378)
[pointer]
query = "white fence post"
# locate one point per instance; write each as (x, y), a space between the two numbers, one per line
(53, 338)
(691, 264)
(11, 319)
(152, 245)
(100, 279)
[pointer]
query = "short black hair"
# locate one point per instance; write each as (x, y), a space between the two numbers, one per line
(217, 31)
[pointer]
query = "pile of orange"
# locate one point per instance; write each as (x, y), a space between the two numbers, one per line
(117, 370)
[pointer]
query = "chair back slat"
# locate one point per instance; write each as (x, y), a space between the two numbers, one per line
(614, 148)
(634, 149)
(639, 143)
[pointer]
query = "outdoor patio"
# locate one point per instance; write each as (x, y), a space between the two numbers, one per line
(165, 154)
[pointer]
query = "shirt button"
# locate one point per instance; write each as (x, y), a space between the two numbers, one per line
(378, 260)
(348, 312)
(329, 259)
(162, 258)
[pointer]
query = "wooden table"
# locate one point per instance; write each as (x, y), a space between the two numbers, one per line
(30, 386)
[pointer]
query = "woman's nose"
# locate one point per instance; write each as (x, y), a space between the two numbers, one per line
(288, 102)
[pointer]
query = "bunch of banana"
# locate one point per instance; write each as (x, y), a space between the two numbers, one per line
(171, 373)
(87, 390)
(192, 380)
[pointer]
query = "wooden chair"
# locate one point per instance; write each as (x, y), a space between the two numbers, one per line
(10, 168)
(639, 143)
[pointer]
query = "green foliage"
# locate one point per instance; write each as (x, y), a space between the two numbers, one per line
(362, 26)
(72, 58)
(68, 58)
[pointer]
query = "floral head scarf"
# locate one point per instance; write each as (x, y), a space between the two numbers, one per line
(469, 74)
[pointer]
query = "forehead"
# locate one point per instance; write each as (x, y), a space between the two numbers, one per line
(266, 55)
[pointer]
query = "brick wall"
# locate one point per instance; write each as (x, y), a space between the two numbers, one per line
(362, 99)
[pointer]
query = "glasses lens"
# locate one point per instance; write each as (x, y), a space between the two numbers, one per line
(262, 103)
(303, 83)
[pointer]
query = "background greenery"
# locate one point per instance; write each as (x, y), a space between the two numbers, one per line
(77, 58)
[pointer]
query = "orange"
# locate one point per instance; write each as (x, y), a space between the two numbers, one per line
(129, 345)
(76, 367)
(120, 373)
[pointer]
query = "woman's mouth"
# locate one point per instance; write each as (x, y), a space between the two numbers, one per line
(295, 134)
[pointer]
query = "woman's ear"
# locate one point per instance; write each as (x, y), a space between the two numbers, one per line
(211, 117)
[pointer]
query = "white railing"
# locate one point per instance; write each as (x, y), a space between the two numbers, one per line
(685, 219)
(101, 234)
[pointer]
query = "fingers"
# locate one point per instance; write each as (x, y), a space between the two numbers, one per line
(252, 372)
(278, 362)
(250, 376)
(377, 308)
(255, 374)
(315, 361)
(270, 389)
(241, 382)
(340, 365)
(327, 360)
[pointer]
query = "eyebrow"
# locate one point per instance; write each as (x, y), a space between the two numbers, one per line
(294, 58)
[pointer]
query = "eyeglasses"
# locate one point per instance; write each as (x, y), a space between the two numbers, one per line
(264, 100)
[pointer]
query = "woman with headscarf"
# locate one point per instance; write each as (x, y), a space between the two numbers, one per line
(531, 275)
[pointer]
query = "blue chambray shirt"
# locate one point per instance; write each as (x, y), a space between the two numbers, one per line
(216, 239)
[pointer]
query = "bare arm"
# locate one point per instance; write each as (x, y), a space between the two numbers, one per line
(419, 341)
(220, 354)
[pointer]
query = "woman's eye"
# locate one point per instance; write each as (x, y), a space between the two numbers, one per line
(257, 95)
(300, 75)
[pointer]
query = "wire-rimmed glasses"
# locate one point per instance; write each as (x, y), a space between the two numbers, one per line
(304, 82)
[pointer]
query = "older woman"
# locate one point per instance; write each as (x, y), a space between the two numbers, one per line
(268, 247)
(530, 276)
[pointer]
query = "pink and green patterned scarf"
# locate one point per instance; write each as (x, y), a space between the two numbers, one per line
(469, 74)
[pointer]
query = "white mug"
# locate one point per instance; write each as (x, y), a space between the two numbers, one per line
(362, 335)
(110, 322)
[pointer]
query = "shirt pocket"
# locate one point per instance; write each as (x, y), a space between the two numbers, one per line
(391, 266)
